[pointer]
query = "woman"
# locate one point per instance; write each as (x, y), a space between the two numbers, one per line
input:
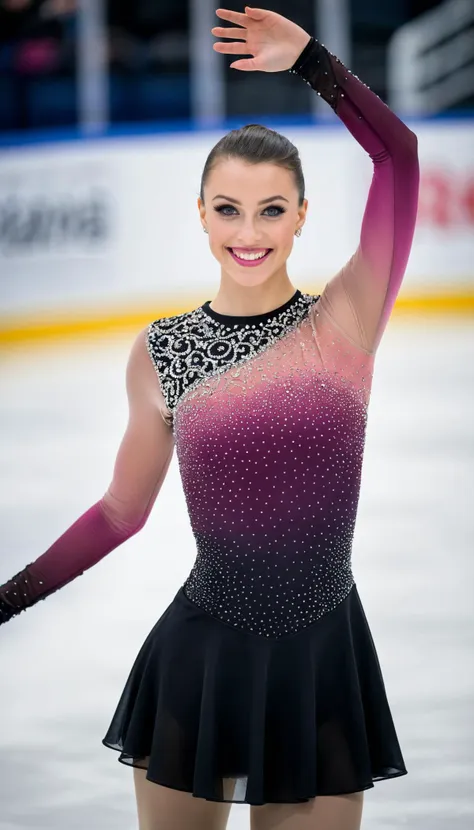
(260, 683)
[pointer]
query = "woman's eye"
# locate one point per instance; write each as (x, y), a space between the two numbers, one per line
(279, 210)
(222, 208)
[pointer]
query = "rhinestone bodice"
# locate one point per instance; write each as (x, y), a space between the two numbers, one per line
(269, 416)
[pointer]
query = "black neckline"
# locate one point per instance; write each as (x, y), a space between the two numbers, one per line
(242, 320)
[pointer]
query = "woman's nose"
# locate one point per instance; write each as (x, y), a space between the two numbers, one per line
(249, 234)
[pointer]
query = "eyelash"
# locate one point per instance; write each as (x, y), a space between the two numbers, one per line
(270, 207)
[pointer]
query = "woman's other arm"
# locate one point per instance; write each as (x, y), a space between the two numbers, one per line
(141, 465)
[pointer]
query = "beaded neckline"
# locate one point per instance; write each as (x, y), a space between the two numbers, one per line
(188, 348)
(255, 319)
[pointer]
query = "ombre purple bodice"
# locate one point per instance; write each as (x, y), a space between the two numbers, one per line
(269, 418)
(269, 412)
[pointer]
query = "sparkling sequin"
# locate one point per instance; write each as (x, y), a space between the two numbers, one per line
(269, 423)
(323, 74)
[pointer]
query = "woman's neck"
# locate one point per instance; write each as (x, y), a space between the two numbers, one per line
(247, 301)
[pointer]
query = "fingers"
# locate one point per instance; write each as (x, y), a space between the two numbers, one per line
(230, 48)
(234, 17)
(222, 31)
(247, 65)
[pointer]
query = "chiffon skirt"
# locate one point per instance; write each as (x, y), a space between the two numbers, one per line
(229, 715)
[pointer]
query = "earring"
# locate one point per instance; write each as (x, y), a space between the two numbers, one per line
(205, 230)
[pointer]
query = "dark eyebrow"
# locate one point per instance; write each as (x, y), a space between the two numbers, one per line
(262, 201)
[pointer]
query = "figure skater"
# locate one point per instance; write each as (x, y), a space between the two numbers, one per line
(260, 683)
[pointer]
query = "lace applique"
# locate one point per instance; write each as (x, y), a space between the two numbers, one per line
(188, 348)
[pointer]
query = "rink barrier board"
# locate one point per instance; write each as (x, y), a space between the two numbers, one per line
(23, 328)
(85, 225)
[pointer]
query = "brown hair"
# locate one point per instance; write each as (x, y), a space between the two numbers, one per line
(254, 144)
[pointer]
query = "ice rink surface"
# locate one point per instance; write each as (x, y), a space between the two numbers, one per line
(64, 662)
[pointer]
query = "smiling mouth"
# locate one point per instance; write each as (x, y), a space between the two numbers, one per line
(251, 260)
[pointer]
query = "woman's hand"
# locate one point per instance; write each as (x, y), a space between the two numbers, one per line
(274, 41)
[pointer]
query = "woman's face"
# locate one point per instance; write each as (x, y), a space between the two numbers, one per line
(235, 220)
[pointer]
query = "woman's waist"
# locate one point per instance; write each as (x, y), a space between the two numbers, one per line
(269, 593)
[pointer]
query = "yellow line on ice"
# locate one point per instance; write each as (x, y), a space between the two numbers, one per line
(24, 328)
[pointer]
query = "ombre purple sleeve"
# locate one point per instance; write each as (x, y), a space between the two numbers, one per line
(140, 468)
(360, 298)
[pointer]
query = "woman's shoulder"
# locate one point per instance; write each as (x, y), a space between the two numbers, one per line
(181, 322)
(170, 340)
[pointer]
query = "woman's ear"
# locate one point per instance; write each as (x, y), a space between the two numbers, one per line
(303, 209)
(201, 209)
(200, 205)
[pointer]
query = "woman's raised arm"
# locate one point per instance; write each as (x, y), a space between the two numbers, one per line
(141, 465)
(361, 296)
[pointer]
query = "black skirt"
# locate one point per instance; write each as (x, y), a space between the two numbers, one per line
(229, 715)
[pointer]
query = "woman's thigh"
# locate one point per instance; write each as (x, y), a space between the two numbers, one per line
(335, 812)
(162, 808)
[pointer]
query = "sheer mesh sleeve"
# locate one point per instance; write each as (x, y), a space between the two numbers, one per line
(359, 299)
(141, 465)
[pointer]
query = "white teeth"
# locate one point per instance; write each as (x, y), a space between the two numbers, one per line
(249, 256)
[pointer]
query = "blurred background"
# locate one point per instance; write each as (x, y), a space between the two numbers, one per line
(108, 111)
